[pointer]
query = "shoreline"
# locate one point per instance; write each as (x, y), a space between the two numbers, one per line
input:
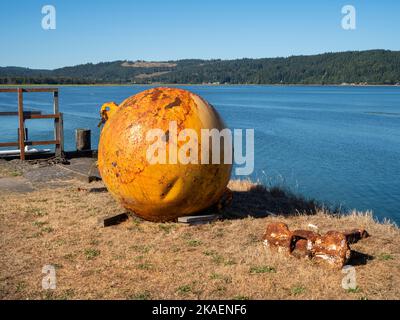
(10, 167)
(198, 84)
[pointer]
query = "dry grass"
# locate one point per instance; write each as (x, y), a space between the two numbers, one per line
(144, 260)
(9, 170)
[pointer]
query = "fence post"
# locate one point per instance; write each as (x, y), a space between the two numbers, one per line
(57, 125)
(21, 123)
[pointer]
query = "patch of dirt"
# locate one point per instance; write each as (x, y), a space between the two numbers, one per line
(15, 184)
(151, 75)
(148, 64)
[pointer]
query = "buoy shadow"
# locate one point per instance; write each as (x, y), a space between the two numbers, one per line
(255, 200)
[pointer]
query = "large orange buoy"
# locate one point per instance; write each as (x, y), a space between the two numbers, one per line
(153, 190)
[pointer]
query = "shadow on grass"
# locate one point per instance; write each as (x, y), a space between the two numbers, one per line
(259, 201)
(358, 258)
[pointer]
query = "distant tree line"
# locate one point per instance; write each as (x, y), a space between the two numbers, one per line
(367, 67)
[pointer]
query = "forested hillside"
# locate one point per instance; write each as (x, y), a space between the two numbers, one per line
(366, 67)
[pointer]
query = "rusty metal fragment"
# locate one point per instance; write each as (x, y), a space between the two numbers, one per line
(332, 247)
(355, 235)
(306, 234)
(304, 243)
(302, 249)
(278, 236)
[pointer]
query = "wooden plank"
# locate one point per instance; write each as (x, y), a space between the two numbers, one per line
(29, 89)
(40, 89)
(42, 116)
(15, 113)
(21, 124)
(8, 113)
(112, 219)
(9, 144)
(198, 219)
(8, 89)
(40, 143)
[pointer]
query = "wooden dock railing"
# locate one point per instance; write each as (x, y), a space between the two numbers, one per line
(24, 115)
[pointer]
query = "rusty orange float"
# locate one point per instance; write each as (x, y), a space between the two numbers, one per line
(159, 191)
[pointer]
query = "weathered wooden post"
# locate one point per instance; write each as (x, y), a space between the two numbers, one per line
(83, 139)
(26, 134)
(21, 125)
(58, 126)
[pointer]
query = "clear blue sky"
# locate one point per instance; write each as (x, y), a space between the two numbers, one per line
(94, 31)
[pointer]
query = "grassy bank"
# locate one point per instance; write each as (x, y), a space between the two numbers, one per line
(143, 260)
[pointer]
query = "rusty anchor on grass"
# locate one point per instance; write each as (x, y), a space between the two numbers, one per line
(332, 247)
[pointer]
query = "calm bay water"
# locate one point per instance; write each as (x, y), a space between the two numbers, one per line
(340, 145)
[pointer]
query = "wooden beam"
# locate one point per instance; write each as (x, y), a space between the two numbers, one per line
(112, 219)
(40, 143)
(40, 89)
(9, 144)
(8, 89)
(42, 116)
(15, 113)
(29, 89)
(21, 124)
